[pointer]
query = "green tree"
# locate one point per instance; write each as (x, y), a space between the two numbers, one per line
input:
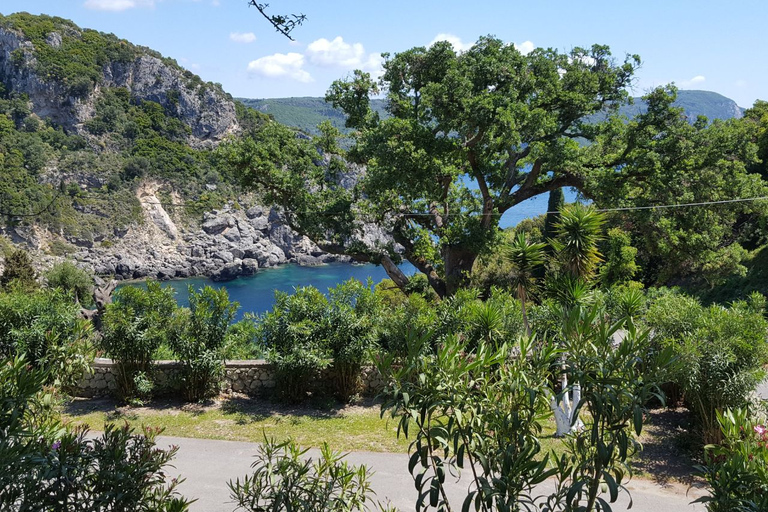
(470, 136)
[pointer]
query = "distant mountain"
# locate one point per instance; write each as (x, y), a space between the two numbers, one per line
(307, 112)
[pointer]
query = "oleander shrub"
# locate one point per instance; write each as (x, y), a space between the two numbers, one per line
(45, 466)
(294, 338)
(199, 345)
(286, 479)
(133, 327)
(736, 469)
(722, 352)
(44, 326)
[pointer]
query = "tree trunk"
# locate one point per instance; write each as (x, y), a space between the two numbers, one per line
(394, 273)
(458, 263)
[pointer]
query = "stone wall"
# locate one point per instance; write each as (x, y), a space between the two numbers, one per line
(251, 377)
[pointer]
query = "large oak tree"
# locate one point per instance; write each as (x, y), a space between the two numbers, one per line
(468, 137)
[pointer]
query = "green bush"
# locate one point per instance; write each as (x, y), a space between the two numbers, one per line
(72, 279)
(285, 479)
(723, 351)
(45, 327)
(18, 271)
(45, 467)
(294, 336)
(134, 326)
(200, 342)
(241, 340)
(736, 470)
(354, 311)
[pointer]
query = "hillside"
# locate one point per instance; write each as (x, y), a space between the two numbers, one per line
(306, 113)
(106, 157)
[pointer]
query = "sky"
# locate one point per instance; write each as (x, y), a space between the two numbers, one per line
(709, 45)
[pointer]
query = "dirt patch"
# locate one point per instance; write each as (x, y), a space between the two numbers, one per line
(668, 445)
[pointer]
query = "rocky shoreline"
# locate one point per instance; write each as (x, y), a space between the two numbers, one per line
(228, 244)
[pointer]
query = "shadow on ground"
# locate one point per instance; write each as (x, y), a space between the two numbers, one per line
(668, 445)
(242, 408)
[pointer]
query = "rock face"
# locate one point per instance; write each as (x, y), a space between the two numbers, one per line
(230, 242)
(205, 108)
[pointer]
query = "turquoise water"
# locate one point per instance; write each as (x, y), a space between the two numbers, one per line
(256, 294)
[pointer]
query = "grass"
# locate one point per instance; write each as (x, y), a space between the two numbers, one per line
(355, 428)
(345, 428)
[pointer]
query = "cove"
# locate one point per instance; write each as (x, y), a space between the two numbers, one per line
(256, 293)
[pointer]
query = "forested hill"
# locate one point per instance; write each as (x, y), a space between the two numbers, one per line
(306, 113)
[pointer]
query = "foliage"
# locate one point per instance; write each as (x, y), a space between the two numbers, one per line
(578, 231)
(44, 326)
(620, 265)
(200, 343)
(479, 412)
(354, 311)
(72, 279)
(18, 271)
(490, 117)
(667, 160)
(722, 351)
(525, 257)
(293, 335)
(306, 332)
(134, 326)
(286, 479)
(44, 467)
(736, 469)
(615, 382)
(240, 340)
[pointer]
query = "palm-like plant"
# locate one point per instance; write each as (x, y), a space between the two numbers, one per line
(578, 231)
(525, 257)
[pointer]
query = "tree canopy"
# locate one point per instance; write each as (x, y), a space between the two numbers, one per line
(469, 136)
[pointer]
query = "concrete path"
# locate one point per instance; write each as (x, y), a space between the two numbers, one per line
(208, 466)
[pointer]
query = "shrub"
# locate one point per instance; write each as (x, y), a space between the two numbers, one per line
(722, 352)
(134, 326)
(285, 479)
(44, 467)
(71, 278)
(736, 470)
(353, 316)
(19, 270)
(45, 327)
(199, 346)
(294, 336)
(241, 340)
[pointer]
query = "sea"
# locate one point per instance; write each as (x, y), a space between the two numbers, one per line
(256, 294)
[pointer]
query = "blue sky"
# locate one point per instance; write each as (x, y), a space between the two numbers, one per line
(711, 45)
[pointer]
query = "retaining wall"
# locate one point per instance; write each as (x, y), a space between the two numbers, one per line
(252, 377)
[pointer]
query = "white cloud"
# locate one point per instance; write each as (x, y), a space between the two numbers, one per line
(117, 5)
(693, 82)
(279, 65)
(458, 44)
(242, 37)
(525, 47)
(335, 53)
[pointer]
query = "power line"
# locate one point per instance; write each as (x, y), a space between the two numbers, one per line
(422, 214)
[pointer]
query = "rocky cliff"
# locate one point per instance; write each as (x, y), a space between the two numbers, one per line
(204, 107)
(112, 144)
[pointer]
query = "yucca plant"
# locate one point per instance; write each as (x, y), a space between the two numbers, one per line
(525, 257)
(578, 232)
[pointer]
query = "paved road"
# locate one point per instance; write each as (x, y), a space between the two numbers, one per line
(208, 466)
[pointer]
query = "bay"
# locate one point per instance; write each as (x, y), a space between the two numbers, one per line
(256, 294)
